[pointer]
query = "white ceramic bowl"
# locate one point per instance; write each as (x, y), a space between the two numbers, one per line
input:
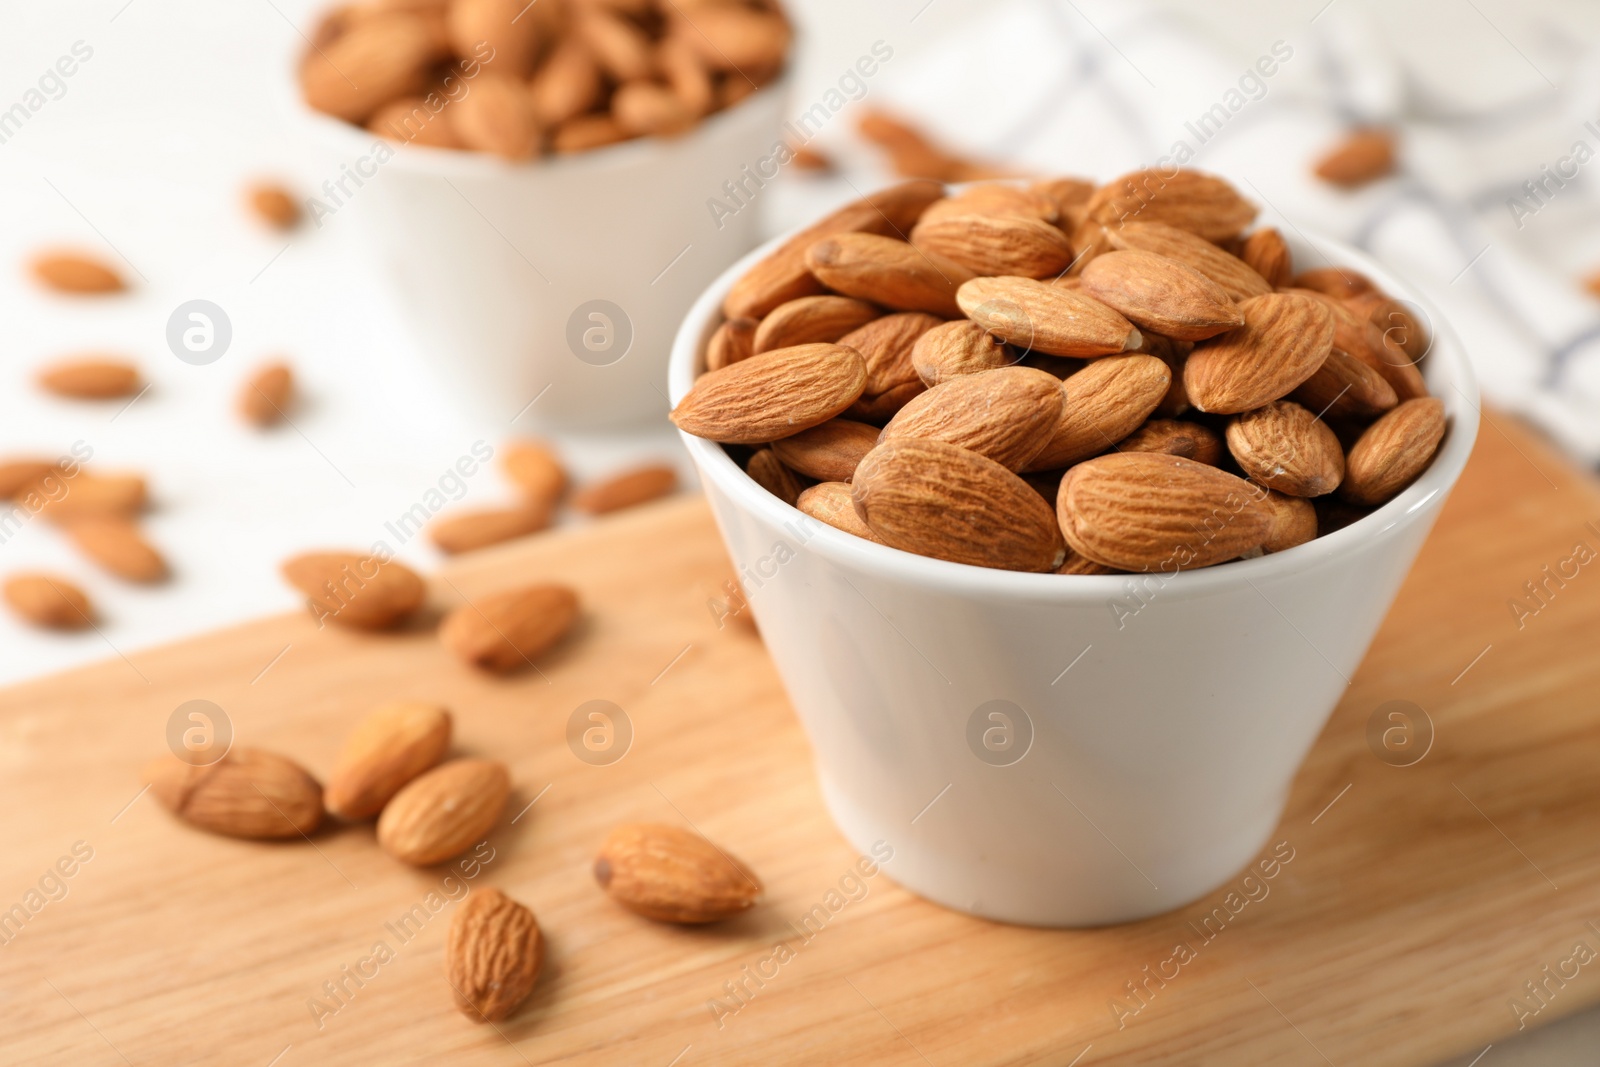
(1136, 763)
(500, 267)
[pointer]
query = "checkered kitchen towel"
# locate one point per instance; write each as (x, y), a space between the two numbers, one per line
(1493, 214)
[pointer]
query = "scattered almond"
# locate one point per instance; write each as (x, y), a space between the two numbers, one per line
(673, 875)
(267, 395)
(467, 531)
(389, 748)
(625, 490)
(90, 378)
(362, 592)
(445, 811)
(116, 544)
(49, 601)
(75, 272)
(90, 495)
(492, 955)
(247, 793)
(506, 631)
(535, 470)
(273, 205)
(1363, 156)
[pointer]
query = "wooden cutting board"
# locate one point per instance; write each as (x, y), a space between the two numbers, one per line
(1417, 902)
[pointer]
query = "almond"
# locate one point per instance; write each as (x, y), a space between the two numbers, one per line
(1175, 438)
(783, 275)
(1076, 564)
(649, 109)
(831, 502)
(887, 271)
(768, 471)
(1070, 196)
(626, 489)
(370, 64)
(1007, 415)
(1144, 511)
(686, 75)
(389, 748)
(773, 395)
(1294, 522)
(997, 200)
(673, 875)
(246, 793)
(1393, 452)
(49, 601)
(829, 452)
(955, 348)
(990, 244)
(467, 531)
(1345, 388)
(1395, 343)
(492, 955)
(734, 38)
(497, 116)
(1161, 295)
(1265, 252)
(886, 344)
(506, 631)
(584, 133)
(445, 811)
(1338, 282)
(1363, 156)
(1287, 448)
(733, 340)
(75, 272)
(1200, 203)
(1032, 315)
(1237, 278)
(512, 40)
(812, 320)
(18, 476)
(117, 545)
(536, 471)
(568, 84)
(88, 495)
(1105, 402)
(273, 205)
(410, 120)
(879, 409)
(90, 378)
(941, 500)
(363, 592)
(267, 395)
(621, 48)
(1285, 338)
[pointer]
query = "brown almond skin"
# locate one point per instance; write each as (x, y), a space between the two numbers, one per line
(1105, 402)
(492, 955)
(1287, 448)
(889, 272)
(938, 499)
(1345, 388)
(586, 133)
(832, 503)
(811, 320)
(768, 471)
(1363, 156)
(512, 40)
(267, 395)
(829, 452)
(1190, 200)
(368, 65)
(783, 275)
(955, 348)
(1007, 414)
(1175, 438)
(355, 590)
(247, 793)
(507, 631)
(1285, 338)
(89, 495)
(17, 476)
(1238, 279)
(567, 84)
(672, 875)
(1393, 452)
(733, 341)
(647, 109)
(445, 811)
(887, 344)
(1144, 511)
(75, 272)
(1044, 318)
(386, 750)
(991, 245)
(48, 601)
(1294, 522)
(686, 75)
(736, 38)
(998, 200)
(468, 531)
(1395, 342)
(273, 205)
(497, 116)
(620, 47)
(772, 395)
(536, 471)
(116, 544)
(91, 378)
(627, 489)
(409, 121)
(1160, 295)
(1265, 252)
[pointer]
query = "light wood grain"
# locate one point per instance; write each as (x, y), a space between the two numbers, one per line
(1415, 907)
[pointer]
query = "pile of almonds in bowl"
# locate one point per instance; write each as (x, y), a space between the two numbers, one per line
(520, 79)
(1066, 377)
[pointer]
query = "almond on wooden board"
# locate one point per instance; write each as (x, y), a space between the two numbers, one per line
(1393, 452)
(811, 320)
(247, 793)
(673, 875)
(90, 378)
(1285, 338)
(832, 503)
(267, 395)
(387, 749)
(1007, 415)
(1030, 314)
(466, 531)
(733, 341)
(1345, 388)
(1294, 522)
(368, 65)
(1265, 252)
(886, 344)
(1287, 448)
(443, 812)
(536, 470)
(497, 116)
(1237, 278)
(117, 544)
(992, 244)
(783, 275)
(273, 205)
(626, 489)
(773, 395)
(512, 40)
(769, 472)
(492, 955)
(1363, 156)
(359, 591)
(1105, 402)
(1145, 511)
(86, 494)
(955, 348)
(48, 601)
(506, 631)
(938, 499)
(889, 272)
(1160, 295)
(1188, 199)
(829, 452)
(1175, 438)
(75, 272)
